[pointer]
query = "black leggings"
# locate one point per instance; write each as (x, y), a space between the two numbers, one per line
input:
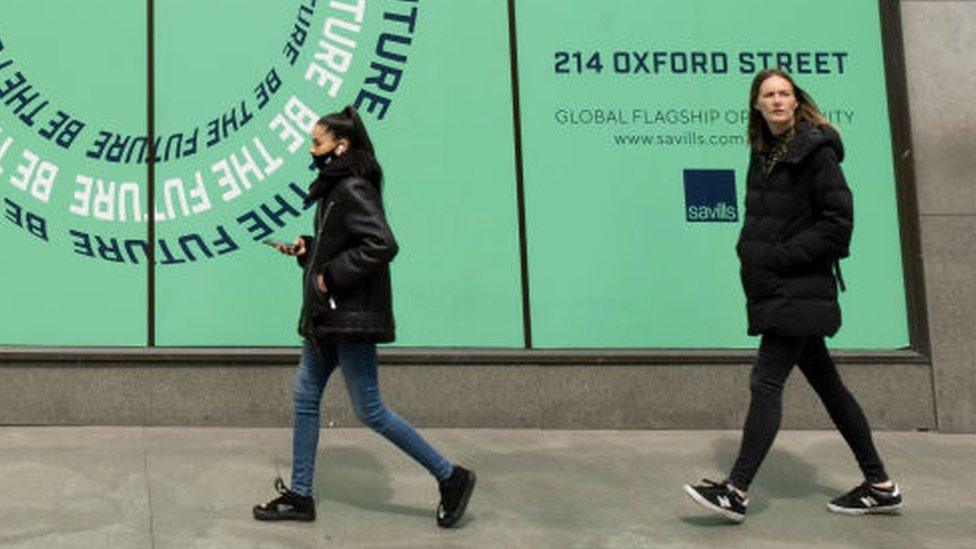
(777, 355)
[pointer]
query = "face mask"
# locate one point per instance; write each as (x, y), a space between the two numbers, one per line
(323, 160)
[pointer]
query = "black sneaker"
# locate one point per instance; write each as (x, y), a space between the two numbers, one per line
(866, 499)
(288, 505)
(455, 493)
(719, 497)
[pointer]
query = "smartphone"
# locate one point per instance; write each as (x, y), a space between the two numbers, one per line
(275, 243)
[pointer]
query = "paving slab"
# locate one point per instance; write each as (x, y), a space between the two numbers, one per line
(194, 487)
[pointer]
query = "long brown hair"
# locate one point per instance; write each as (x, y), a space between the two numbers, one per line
(760, 138)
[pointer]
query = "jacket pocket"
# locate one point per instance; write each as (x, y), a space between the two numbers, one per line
(796, 225)
(326, 299)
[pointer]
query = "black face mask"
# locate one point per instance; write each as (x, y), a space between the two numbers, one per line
(323, 160)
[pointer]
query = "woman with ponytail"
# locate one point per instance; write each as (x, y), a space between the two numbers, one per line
(346, 310)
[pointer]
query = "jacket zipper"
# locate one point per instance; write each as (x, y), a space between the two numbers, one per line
(318, 233)
(309, 273)
(332, 302)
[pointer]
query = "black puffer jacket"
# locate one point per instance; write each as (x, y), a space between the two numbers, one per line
(352, 248)
(798, 225)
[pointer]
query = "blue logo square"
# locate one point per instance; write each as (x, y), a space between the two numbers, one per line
(710, 196)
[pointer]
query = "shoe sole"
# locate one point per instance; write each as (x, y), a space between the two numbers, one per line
(884, 510)
(277, 517)
(697, 498)
(452, 519)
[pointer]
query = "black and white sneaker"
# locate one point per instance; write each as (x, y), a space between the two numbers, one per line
(455, 493)
(720, 498)
(866, 499)
(289, 505)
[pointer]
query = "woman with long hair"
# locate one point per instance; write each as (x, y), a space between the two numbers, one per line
(798, 223)
(346, 310)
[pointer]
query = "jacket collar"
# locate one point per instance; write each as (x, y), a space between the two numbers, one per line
(332, 173)
(809, 138)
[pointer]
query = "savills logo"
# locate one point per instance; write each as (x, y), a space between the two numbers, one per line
(710, 196)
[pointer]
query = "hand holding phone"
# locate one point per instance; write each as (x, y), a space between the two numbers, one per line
(287, 249)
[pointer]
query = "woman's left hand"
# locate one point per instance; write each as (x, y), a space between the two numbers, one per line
(320, 283)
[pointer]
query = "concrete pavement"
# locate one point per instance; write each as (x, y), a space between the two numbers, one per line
(90, 487)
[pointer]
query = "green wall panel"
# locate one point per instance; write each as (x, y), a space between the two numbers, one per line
(68, 71)
(614, 261)
(445, 140)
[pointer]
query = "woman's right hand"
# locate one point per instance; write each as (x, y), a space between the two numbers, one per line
(297, 249)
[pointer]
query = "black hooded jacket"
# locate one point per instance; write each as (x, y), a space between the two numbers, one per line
(352, 248)
(798, 225)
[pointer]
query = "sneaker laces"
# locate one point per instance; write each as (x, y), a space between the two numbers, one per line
(716, 484)
(279, 485)
(727, 486)
(284, 494)
(859, 490)
(867, 488)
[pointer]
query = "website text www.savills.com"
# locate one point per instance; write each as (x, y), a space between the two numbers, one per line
(683, 139)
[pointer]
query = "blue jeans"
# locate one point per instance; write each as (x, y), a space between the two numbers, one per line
(359, 364)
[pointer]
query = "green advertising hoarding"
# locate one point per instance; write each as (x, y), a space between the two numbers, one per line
(445, 140)
(626, 103)
(68, 69)
(632, 119)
